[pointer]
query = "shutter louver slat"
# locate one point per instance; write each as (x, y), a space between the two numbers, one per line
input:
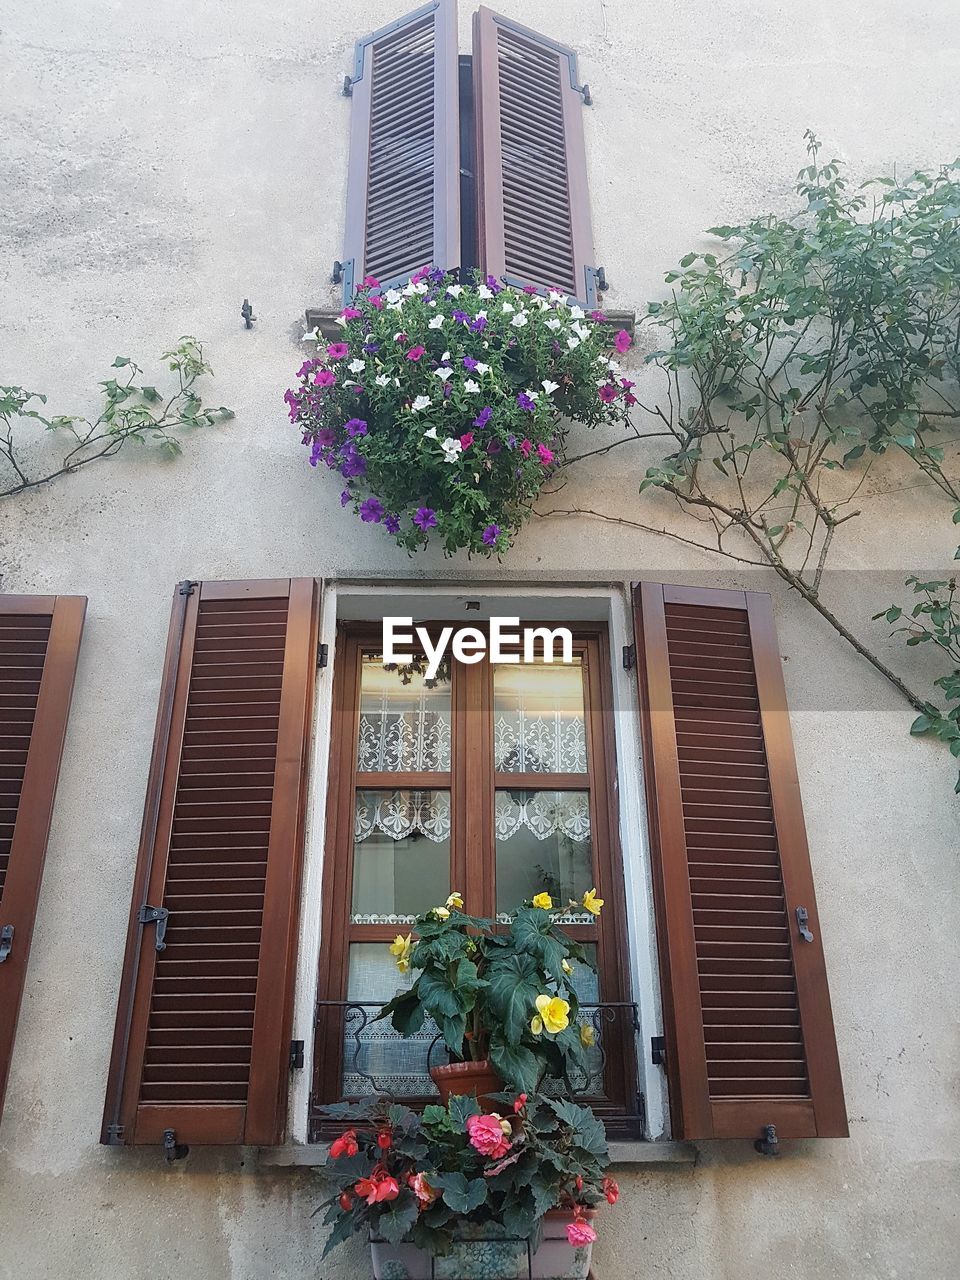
(750, 1037)
(204, 1053)
(403, 185)
(534, 214)
(39, 646)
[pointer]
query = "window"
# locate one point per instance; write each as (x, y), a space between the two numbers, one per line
(493, 780)
(467, 161)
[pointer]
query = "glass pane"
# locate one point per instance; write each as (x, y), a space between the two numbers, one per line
(589, 1081)
(401, 855)
(544, 843)
(538, 718)
(375, 1058)
(404, 720)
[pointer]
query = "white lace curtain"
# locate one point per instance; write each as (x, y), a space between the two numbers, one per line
(399, 814)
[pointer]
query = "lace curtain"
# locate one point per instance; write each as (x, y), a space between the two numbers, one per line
(400, 814)
(403, 727)
(539, 724)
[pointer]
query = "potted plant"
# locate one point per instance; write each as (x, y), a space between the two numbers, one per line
(503, 998)
(455, 1192)
(444, 406)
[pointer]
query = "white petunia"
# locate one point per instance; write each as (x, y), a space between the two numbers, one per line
(482, 368)
(549, 387)
(508, 306)
(556, 296)
(421, 402)
(341, 322)
(452, 448)
(481, 315)
(415, 286)
(519, 321)
(382, 380)
(396, 382)
(581, 331)
(471, 387)
(445, 357)
(357, 366)
(484, 292)
(533, 395)
(393, 295)
(613, 366)
(573, 342)
(436, 323)
(454, 290)
(312, 336)
(431, 434)
(553, 323)
(395, 306)
(577, 313)
(443, 373)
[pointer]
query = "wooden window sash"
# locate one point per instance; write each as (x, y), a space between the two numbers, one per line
(697, 1109)
(34, 798)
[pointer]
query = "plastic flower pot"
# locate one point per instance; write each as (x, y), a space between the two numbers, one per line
(459, 1079)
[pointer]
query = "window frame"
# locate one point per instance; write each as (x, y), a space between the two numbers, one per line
(472, 830)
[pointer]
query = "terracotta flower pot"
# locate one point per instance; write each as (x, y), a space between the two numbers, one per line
(462, 1078)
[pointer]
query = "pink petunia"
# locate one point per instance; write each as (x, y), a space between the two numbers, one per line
(544, 454)
(466, 440)
(416, 353)
(526, 447)
(350, 313)
(608, 393)
(324, 378)
(623, 342)
(371, 282)
(376, 302)
(338, 350)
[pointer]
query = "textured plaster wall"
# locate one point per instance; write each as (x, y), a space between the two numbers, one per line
(158, 163)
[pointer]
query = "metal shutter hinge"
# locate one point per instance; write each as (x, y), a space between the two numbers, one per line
(768, 1145)
(629, 657)
(186, 588)
(172, 1149)
(658, 1050)
(157, 916)
(115, 1135)
(6, 941)
(803, 924)
(323, 655)
(296, 1055)
(642, 1111)
(587, 95)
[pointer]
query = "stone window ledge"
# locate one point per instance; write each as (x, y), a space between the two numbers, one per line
(313, 1155)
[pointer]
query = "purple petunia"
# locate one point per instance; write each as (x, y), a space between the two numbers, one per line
(461, 317)
(371, 348)
(478, 325)
(490, 534)
(493, 284)
(352, 463)
(524, 401)
(425, 519)
(356, 427)
(371, 511)
(469, 363)
(345, 497)
(325, 437)
(483, 417)
(494, 446)
(391, 524)
(290, 398)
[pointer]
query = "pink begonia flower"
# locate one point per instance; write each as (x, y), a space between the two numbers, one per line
(415, 353)
(486, 1136)
(466, 440)
(526, 447)
(623, 342)
(544, 454)
(608, 393)
(580, 1233)
(337, 350)
(324, 378)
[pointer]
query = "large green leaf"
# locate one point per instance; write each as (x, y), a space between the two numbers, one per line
(516, 1065)
(397, 1220)
(512, 990)
(462, 1194)
(405, 1011)
(533, 934)
(343, 1229)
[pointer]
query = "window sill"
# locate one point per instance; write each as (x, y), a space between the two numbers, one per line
(314, 1155)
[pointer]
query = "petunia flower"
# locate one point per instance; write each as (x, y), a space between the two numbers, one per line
(451, 449)
(478, 325)
(484, 292)
(381, 380)
(376, 302)
(623, 342)
(356, 427)
(416, 353)
(598, 317)
(425, 519)
(525, 402)
(461, 317)
(552, 323)
(370, 282)
(443, 372)
(483, 417)
(324, 378)
(472, 388)
(393, 295)
(508, 308)
(455, 290)
(549, 387)
(421, 402)
(520, 320)
(469, 363)
(526, 447)
(337, 350)
(608, 393)
(544, 454)
(430, 433)
(345, 497)
(466, 440)
(576, 313)
(436, 323)
(391, 524)
(350, 313)
(482, 368)
(311, 336)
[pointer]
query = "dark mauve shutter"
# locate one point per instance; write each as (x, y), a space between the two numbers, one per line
(39, 645)
(533, 201)
(203, 1024)
(750, 1038)
(403, 180)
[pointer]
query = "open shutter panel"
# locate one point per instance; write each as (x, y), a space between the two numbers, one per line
(533, 201)
(403, 181)
(39, 644)
(750, 1039)
(203, 1026)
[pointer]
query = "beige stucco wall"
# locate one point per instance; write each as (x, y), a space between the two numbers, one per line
(162, 161)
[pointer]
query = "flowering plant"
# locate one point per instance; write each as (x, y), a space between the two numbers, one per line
(406, 1176)
(443, 405)
(506, 997)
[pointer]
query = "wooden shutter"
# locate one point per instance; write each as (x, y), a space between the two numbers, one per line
(750, 1039)
(202, 1040)
(39, 644)
(403, 180)
(533, 202)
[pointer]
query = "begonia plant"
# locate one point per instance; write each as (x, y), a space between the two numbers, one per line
(444, 406)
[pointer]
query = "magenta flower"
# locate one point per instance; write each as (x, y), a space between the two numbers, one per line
(350, 313)
(483, 417)
(290, 399)
(493, 283)
(345, 497)
(494, 446)
(526, 447)
(416, 353)
(356, 427)
(338, 350)
(524, 401)
(490, 534)
(466, 440)
(544, 454)
(530, 288)
(623, 342)
(629, 398)
(627, 384)
(376, 302)
(425, 519)
(307, 367)
(608, 393)
(371, 511)
(598, 317)
(371, 282)
(324, 378)
(325, 437)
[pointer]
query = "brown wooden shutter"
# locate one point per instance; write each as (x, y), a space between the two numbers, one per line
(750, 1039)
(203, 1026)
(403, 181)
(533, 200)
(39, 644)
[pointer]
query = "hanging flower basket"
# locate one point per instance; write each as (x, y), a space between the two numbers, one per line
(444, 407)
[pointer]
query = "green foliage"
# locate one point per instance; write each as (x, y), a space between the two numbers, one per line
(935, 619)
(481, 986)
(132, 412)
(452, 400)
(551, 1154)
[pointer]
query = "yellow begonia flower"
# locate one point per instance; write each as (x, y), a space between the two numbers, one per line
(566, 966)
(588, 1037)
(536, 1025)
(554, 1013)
(441, 913)
(456, 901)
(400, 948)
(543, 900)
(591, 902)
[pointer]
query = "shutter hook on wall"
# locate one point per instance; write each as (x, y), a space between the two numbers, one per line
(769, 1144)
(6, 941)
(172, 1149)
